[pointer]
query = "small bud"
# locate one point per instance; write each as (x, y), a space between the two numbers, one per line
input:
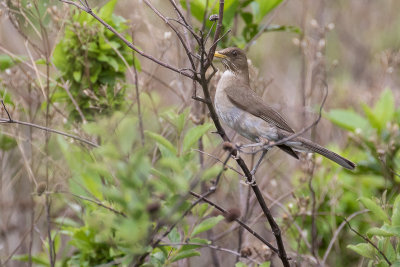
(330, 26)
(57, 188)
(246, 252)
(321, 43)
(232, 215)
(227, 146)
(296, 41)
(153, 207)
(167, 35)
(41, 187)
(213, 17)
(314, 23)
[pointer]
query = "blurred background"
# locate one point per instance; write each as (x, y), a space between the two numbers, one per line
(294, 48)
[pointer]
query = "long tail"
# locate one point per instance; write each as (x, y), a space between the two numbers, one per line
(309, 145)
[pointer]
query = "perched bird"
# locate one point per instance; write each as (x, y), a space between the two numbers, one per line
(238, 106)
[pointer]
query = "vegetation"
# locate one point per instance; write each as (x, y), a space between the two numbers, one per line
(111, 154)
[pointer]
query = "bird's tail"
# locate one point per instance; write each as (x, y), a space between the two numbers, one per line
(313, 147)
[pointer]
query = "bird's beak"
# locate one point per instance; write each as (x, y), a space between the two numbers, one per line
(219, 55)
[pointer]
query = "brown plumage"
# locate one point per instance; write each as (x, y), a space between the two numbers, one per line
(244, 111)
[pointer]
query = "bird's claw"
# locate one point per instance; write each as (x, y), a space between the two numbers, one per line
(252, 182)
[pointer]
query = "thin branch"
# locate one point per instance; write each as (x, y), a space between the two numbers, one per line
(368, 241)
(336, 234)
(93, 201)
(211, 247)
(138, 97)
(4, 121)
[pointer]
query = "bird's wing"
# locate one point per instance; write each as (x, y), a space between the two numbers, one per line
(245, 98)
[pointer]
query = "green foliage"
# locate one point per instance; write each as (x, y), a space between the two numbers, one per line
(377, 134)
(144, 193)
(94, 61)
(250, 12)
(374, 147)
(386, 237)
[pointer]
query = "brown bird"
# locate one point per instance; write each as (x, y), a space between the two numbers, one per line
(241, 109)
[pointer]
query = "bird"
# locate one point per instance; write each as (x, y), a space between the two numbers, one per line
(239, 107)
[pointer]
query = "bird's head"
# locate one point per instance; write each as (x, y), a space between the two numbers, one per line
(234, 59)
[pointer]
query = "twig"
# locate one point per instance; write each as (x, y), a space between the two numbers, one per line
(3, 121)
(138, 96)
(212, 247)
(336, 234)
(93, 201)
(368, 241)
(245, 226)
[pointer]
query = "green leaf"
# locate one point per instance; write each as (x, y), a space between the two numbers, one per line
(396, 212)
(371, 116)
(162, 141)
(206, 225)
(77, 76)
(347, 119)
(194, 134)
(107, 10)
(174, 236)
(7, 142)
(263, 7)
(35, 259)
(283, 28)
(265, 264)
(211, 173)
(185, 254)
(247, 17)
(384, 108)
(375, 209)
(375, 231)
(7, 62)
(240, 264)
(364, 249)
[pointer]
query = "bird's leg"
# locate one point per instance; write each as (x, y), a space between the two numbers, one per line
(264, 152)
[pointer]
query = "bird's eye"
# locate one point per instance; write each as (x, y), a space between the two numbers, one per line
(234, 53)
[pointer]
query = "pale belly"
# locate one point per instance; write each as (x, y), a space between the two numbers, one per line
(244, 123)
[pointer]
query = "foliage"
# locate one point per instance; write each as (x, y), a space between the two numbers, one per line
(386, 237)
(250, 12)
(374, 146)
(94, 61)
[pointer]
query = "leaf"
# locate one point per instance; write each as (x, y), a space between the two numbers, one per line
(211, 173)
(373, 120)
(384, 108)
(7, 142)
(347, 119)
(396, 212)
(364, 249)
(263, 7)
(161, 141)
(35, 259)
(247, 17)
(194, 134)
(7, 62)
(107, 10)
(185, 254)
(77, 75)
(283, 28)
(206, 225)
(375, 209)
(174, 236)
(375, 231)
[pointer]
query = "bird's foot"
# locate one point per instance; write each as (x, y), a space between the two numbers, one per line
(252, 182)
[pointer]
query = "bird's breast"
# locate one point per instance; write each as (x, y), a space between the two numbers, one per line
(241, 121)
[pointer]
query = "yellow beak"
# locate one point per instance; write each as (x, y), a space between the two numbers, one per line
(219, 55)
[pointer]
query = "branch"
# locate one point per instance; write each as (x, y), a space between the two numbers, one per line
(11, 121)
(368, 241)
(245, 226)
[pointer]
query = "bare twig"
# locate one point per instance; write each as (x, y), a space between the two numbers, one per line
(336, 234)
(3, 121)
(242, 224)
(211, 247)
(368, 241)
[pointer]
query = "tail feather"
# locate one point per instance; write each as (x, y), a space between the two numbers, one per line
(309, 145)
